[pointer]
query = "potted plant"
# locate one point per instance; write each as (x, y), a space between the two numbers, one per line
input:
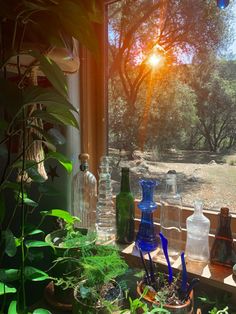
(172, 293)
(67, 241)
(30, 31)
(93, 279)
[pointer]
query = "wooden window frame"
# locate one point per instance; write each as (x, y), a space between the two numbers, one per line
(94, 110)
(94, 140)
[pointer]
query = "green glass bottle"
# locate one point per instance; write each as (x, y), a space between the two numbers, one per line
(125, 210)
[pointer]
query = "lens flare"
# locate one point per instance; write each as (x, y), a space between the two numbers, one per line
(154, 60)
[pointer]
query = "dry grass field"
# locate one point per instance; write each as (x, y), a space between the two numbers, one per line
(200, 175)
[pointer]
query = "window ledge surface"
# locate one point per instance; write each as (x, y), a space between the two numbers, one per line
(214, 275)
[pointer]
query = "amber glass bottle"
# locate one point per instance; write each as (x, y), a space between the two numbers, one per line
(223, 251)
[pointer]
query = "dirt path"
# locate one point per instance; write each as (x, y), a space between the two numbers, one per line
(204, 178)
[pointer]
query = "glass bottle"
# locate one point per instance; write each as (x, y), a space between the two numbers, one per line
(146, 238)
(170, 218)
(125, 210)
(84, 195)
(198, 227)
(223, 250)
(105, 211)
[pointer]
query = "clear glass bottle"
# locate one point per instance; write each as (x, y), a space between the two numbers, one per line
(84, 195)
(171, 210)
(125, 210)
(223, 251)
(105, 211)
(198, 227)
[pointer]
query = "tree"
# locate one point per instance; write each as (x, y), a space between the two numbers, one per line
(138, 27)
(216, 104)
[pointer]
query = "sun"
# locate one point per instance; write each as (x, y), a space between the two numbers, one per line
(154, 60)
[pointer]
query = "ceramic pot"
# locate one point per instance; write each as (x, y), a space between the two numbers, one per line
(186, 308)
(79, 307)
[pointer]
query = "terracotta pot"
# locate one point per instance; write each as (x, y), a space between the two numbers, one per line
(186, 308)
(79, 307)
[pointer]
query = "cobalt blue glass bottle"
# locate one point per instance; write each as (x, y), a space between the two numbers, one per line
(146, 238)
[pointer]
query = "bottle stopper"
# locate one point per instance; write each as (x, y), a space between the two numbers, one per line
(83, 157)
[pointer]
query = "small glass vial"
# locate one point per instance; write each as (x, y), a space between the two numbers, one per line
(105, 210)
(84, 195)
(198, 227)
(171, 211)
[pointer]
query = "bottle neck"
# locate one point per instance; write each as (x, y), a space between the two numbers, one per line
(84, 166)
(125, 186)
(198, 206)
(171, 186)
(224, 226)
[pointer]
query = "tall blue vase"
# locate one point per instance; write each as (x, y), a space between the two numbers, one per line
(146, 238)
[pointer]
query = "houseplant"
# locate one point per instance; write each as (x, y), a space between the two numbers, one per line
(67, 242)
(93, 279)
(171, 292)
(29, 30)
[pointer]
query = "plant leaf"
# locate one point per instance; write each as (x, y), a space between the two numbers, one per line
(46, 96)
(62, 159)
(35, 274)
(59, 213)
(57, 118)
(7, 289)
(36, 231)
(12, 308)
(10, 243)
(52, 71)
(41, 311)
(11, 185)
(34, 174)
(36, 243)
(70, 12)
(9, 275)
(26, 199)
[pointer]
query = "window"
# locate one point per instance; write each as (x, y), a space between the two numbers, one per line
(172, 96)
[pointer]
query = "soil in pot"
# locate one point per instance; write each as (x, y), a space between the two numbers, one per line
(173, 304)
(109, 293)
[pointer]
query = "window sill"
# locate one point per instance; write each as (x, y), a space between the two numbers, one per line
(213, 275)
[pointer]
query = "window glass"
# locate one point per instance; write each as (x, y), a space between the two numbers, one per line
(172, 96)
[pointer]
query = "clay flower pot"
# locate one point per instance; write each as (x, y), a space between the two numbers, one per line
(80, 307)
(186, 308)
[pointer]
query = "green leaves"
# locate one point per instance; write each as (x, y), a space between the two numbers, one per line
(76, 21)
(36, 243)
(4, 289)
(46, 96)
(41, 311)
(9, 275)
(59, 213)
(10, 243)
(52, 72)
(12, 308)
(26, 199)
(34, 274)
(64, 161)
